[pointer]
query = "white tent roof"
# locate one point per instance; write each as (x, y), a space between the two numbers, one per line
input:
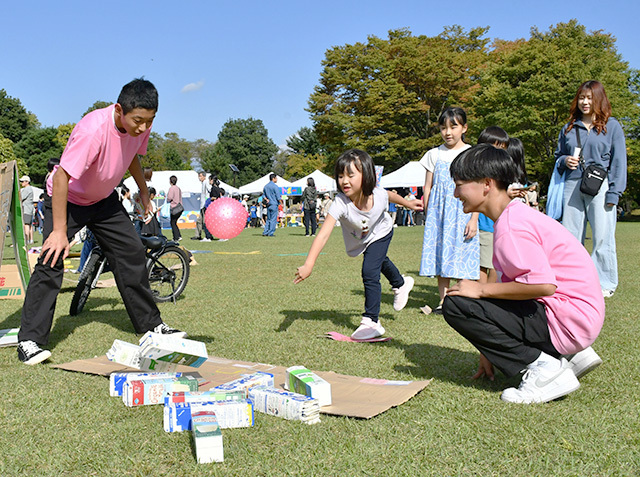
(409, 175)
(324, 183)
(187, 181)
(256, 186)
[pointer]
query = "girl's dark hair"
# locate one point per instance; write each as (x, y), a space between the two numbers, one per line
(361, 161)
(311, 182)
(600, 106)
(214, 178)
(453, 114)
(152, 190)
(124, 190)
(173, 180)
(53, 162)
(515, 149)
(139, 93)
(494, 135)
(484, 161)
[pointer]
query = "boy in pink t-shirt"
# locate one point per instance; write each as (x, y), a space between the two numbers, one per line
(80, 191)
(547, 308)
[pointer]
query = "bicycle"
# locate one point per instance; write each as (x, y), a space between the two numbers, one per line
(167, 268)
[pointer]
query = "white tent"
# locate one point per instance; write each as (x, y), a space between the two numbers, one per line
(409, 175)
(257, 186)
(187, 181)
(324, 183)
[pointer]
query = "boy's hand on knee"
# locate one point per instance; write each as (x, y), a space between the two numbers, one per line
(485, 369)
(56, 246)
(468, 288)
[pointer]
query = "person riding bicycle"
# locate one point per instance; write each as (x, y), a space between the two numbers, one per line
(80, 191)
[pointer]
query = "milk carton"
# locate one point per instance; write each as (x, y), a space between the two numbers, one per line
(144, 391)
(230, 414)
(118, 380)
(302, 381)
(246, 382)
(207, 437)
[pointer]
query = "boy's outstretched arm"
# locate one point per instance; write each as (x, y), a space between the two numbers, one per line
(136, 172)
(57, 243)
(318, 244)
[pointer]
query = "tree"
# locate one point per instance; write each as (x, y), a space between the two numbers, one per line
(306, 155)
(528, 85)
(245, 143)
(36, 148)
(305, 141)
(97, 105)
(7, 155)
(64, 131)
(300, 165)
(176, 152)
(385, 96)
(15, 120)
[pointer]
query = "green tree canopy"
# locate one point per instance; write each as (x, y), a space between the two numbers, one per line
(245, 143)
(15, 120)
(36, 148)
(97, 105)
(385, 96)
(7, 155)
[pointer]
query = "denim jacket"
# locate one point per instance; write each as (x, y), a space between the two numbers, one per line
(607, 150)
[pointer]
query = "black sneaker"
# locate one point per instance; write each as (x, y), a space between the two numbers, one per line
(30, 353)
(196, 238)
(164, 329)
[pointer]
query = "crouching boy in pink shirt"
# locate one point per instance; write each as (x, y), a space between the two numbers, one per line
(547, 307)
(80, 191)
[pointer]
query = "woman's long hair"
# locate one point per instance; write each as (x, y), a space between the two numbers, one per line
(600, 106)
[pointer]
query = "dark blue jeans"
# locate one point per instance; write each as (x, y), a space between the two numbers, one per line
(374, 262)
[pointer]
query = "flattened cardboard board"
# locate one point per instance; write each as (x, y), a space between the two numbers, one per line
(352, 396)
(11, 283)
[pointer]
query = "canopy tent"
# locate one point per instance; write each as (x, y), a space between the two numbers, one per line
(187, 181)
(409, 175)
(257, 186)
(324, 183)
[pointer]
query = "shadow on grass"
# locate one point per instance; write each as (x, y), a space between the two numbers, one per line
(336, 317)
(445, 364)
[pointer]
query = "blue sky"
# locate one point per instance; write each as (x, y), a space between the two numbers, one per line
(213, 60)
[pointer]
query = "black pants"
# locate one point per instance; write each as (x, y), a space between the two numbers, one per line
(119, 241)
(310, 221)
(509, 333)
(174, 225)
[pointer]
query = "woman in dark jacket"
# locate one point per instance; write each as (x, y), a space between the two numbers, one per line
(309, 197)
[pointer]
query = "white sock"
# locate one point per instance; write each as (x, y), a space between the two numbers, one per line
(547, 362)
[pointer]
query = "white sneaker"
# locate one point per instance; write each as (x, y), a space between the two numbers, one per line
(607, 293)
(30, 353)
(541, 385)
(205, 240)
(165, 329)
(584, 361)
(401, 295)
(368, 329)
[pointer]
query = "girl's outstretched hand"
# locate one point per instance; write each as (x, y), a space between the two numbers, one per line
(302, 273)
(416, 204)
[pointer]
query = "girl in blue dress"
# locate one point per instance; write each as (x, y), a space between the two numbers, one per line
(450, 245)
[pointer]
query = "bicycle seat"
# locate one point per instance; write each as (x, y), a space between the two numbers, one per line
(152, 242)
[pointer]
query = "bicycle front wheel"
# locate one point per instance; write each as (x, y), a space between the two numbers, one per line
(168, 274)
(85, 283)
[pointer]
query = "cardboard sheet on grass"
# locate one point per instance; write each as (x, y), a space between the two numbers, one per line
(352, 396)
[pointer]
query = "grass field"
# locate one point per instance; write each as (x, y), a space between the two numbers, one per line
(245, 306)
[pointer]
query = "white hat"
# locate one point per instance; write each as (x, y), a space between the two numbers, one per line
(25, 179)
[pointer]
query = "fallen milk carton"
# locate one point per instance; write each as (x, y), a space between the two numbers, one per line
(302, 381)
(230, 414)
(285, 404)
(246, 382)
(124, 353)
(204, 396)
(163, 352)
(147, 391)
(207, 437)
(118, 380)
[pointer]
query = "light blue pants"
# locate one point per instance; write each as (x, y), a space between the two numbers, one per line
(578, 208)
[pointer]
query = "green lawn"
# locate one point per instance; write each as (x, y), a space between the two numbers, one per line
(245, 306)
